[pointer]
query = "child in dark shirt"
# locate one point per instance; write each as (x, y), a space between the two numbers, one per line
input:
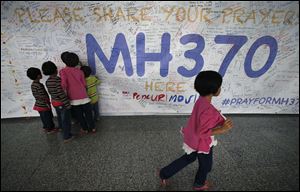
(42, 101)
(59, 98)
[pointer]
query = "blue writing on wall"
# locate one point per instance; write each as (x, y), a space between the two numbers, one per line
(272, 43)
(193, 54)
(120, 46)
(164, 57)
(181, 98)
(237, 41)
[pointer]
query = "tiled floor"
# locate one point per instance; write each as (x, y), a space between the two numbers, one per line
(260, 153)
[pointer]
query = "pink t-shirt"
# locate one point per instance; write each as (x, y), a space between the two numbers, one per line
(197, 132)
(73, 82)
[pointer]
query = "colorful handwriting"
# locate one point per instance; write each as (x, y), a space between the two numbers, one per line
(164, 86)
(210, 15)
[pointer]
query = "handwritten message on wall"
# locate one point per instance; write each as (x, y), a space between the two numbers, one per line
(147, 54)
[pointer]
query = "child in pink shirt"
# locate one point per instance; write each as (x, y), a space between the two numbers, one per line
(198, 135)
(73, 82)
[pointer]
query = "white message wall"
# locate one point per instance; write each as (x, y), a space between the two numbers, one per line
(147, 54)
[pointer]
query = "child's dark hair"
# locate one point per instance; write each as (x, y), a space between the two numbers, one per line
(70, 59)
(63, 56)
(86, 70)
(49, 68)
(208, 82)
(33, 73)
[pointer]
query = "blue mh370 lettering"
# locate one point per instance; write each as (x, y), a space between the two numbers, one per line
(164, 56)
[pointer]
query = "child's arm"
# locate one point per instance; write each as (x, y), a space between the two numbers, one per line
(62, 94)
(222, 129)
